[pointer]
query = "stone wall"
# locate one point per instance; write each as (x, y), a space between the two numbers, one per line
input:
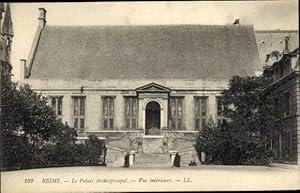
(291, 122)
(119, 139)
(93, 109)
(123, 140)
(115, 157)
(181, 141)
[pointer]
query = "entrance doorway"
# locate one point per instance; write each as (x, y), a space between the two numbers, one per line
(152, 118)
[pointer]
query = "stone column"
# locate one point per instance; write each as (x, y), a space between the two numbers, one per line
(212, 108)
(188, 112)
(119, 111)
(22, 69)
(100, 112)
(173, 154)
(141, 114)
(67, 109)
(131, 158)
(202, 157)
(164, 113)
(92, 112)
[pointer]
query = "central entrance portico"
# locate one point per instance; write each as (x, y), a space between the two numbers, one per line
(153, 108)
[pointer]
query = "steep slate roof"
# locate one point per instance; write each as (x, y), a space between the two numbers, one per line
(145, 52)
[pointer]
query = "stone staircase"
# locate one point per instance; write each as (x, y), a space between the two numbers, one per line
(152, 160)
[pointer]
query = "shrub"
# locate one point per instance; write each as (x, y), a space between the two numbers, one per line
(95, 148)
(231, 147)
(17, 152)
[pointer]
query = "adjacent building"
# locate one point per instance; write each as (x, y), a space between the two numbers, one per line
(269, 41)
(285, 90)
(6, 36)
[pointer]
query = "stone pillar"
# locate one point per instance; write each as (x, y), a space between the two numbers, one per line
(212, 108)
(67, 110)
(119, 111)
(196, 158)
(100, 112)
(188, 112)
(22, 69)
(139, 141)
(141, 114)
(131, 158)
(164, 113)
(172, 154)
(202, 157)
(92, 112)
(42, 18)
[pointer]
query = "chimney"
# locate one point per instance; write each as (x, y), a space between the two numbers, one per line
(236, 22)
(22, 69)
(42, 18)
(286, 46)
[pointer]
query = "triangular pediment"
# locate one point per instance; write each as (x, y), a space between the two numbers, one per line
(153, 87)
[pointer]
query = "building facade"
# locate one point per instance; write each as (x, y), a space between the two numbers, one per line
(142, 89)
(285, 90)
(269, 41)
(6, 36)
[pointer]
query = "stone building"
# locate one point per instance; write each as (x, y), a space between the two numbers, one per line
(6, 35)
(285, 89)
(269, 41)
(142, 89)
(145, 90)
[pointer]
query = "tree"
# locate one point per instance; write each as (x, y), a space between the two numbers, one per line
(95, 148)
(28, 124)
(254, 112)
(33, 137)
(250, 119)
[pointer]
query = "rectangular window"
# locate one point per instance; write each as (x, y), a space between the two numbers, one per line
(130, 112)
(287, 104)
(108, 112)
(176, 113)
(220, 110)
(79, 112)
(200, 112)
(56, 104)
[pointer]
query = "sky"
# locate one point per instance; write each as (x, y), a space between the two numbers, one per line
(263, 15)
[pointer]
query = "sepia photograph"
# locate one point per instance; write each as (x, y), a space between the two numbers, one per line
(143, 96)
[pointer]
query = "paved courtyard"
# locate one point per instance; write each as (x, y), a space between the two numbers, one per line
(200, 178)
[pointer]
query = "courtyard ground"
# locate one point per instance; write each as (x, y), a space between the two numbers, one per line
(106, 179)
